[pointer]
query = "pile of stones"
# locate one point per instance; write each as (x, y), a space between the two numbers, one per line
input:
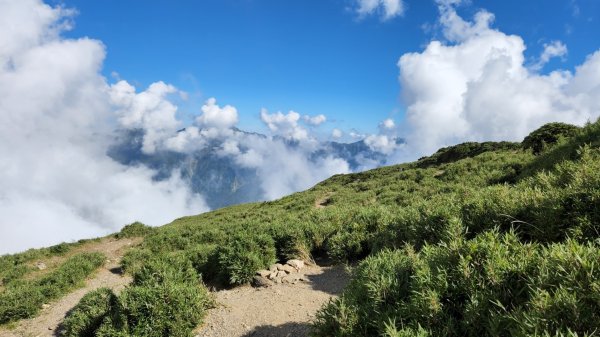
(280, 273)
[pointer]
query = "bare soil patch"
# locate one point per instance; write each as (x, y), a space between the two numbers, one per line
(279, 310)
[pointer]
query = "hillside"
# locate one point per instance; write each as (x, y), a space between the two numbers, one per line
(479, 239)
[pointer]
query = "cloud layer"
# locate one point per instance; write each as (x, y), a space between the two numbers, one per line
(475, 86)
(56, 118)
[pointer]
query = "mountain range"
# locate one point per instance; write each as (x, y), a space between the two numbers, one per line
(220, 179)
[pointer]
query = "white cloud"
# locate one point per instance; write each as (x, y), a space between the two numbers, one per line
(337, 133)
(283, 169)
(388, 124)
(56, 119)
(386, 8)
(315, 120)
(213, 116)
(477, 87)
(284, 125)
(382, 143)
(551, 50)
(149, 110)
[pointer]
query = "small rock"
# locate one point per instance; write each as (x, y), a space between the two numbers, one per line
(298, 264)
(45, 306)
(273, 275)
(40, 265)
(281, 273)
(277, 280)
(263, 273)
(290, 279)
(279, 266)
(302, 277)
(261, 282)
(288, 269)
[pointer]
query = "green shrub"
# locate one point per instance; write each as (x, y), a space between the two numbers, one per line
(164, 309)
(492, 285)
(166, 298)
(24, 299)
(87, 316)
(134, 259)
(548, 134)
(205, 260)
(243, 255)
(136, 229)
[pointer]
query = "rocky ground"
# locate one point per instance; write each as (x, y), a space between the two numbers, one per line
(279, 304)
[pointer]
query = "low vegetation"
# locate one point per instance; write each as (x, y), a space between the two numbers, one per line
(23, 298)
(166, 298)
(480, 239)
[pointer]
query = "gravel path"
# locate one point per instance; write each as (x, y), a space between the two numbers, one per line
(48, 320)
(280, 310)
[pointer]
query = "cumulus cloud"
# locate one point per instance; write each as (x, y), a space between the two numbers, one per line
(551, 50)
(213, 116)
(337, 133)
(388, 124)
(315, 120)
(386, 8)
(57, 114)
(284, 125)
(149, 110)
(475, 86)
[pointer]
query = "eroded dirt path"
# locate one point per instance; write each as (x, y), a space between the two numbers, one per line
(280, 310)
(49, 318)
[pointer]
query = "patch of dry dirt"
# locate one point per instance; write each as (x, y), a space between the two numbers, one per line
(280, 310)
(48, 320)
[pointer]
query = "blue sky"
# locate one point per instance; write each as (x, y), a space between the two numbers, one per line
(312, 56)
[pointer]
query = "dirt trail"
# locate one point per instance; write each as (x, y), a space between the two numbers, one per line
(280, 310)
(48, 320)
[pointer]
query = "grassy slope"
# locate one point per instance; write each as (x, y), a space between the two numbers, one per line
(478, 239)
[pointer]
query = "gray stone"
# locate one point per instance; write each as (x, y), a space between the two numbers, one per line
(274, 267)
(288, 269)
(261, 282)
(290, 279)
(40, 265)
(298, 264)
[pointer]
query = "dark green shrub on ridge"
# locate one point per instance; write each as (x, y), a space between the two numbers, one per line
(548, 134)
(136, 229)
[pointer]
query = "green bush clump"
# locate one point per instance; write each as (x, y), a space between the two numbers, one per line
(465, 150)
(492, 285)
(245, 254)
(24, 299)
(136, 229)
(204, 259)
(135, 259)
(165, 298)
(87, 316)
(547, 135)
